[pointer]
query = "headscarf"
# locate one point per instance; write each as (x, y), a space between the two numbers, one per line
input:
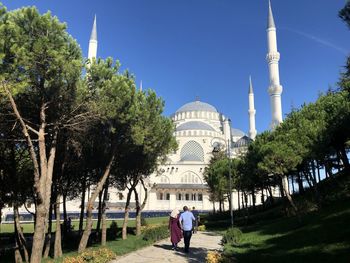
(174, 213)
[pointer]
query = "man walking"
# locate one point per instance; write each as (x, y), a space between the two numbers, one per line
(186, 219)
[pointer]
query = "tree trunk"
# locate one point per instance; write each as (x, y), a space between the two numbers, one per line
(145, 199)
(262, 197)
(286, 192)
(270, 193)
(126, 215)
(138, 213)
(238, 200)
(300, 183)
(344, 158)
(313, 169)
(49, 234)
(99, 213)
(103, 216)
(82, 205)
(39, 233)
(58, 245)
(20, 239)
(18, 256)
(139, 207)
(64, 203)
(85, 237)
(307, 177)
(281, 188)
(253, 198)
(328, 168)
(318, 171)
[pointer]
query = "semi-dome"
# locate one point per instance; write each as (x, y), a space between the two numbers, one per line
(243, 142)
(236, 133)
(194, 125)
(197, 106)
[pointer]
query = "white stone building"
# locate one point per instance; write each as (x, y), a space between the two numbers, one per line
(199, 128)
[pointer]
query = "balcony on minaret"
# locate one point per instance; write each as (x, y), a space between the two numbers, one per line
(273, 57)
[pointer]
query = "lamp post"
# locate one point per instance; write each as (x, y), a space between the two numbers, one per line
(230, 180)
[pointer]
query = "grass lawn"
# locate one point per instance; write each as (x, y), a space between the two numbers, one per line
(321, 237)
(118, 246)
(29, 227)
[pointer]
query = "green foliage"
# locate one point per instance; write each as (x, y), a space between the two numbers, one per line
(101, 255)
(144, 221)
(156, 233)
(345, 13)
(201, 228)
(217, 175)
(232, 236)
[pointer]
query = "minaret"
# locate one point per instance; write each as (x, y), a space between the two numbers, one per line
(93, 42)
(227, 128)
(272, 57)
(141, 85)
(251, 111)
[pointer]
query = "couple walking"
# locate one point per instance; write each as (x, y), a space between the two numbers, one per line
(182, 222)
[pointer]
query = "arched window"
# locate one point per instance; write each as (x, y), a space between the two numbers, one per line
(190, 177)
(192, 151)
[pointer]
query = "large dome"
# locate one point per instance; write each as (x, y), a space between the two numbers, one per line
(194, 125)
(197, 106)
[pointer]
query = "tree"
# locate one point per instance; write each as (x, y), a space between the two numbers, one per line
(214, 175)
(279, 159)
(39, 70)
(113, 97)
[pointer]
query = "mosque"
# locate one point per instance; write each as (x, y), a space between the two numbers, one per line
(199, 129)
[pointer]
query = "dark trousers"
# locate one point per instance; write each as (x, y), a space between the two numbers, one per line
(187, 238)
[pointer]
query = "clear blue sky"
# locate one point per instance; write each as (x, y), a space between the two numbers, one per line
(208, 48)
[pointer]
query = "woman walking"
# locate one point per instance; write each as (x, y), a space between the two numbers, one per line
(175, 229)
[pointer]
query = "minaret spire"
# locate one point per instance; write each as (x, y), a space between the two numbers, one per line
(270, 20)
(93, 41)
(251, 111)
(141, 85)
(273, 56)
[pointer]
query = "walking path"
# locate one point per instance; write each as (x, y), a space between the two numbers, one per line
(161, 252)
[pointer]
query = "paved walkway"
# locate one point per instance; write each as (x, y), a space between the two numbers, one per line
(161, 252)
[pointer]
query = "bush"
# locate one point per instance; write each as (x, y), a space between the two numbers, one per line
(101, 255)
(112, 231)
(143, 222)
(213, 257)
(201, 228)
(154, 234)
(232, 236)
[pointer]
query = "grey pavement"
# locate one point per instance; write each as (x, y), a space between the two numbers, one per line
(201, 243)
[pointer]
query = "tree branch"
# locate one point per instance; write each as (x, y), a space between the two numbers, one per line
(28, 139)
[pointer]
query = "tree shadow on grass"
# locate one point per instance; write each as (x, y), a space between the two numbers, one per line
(323, 237)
